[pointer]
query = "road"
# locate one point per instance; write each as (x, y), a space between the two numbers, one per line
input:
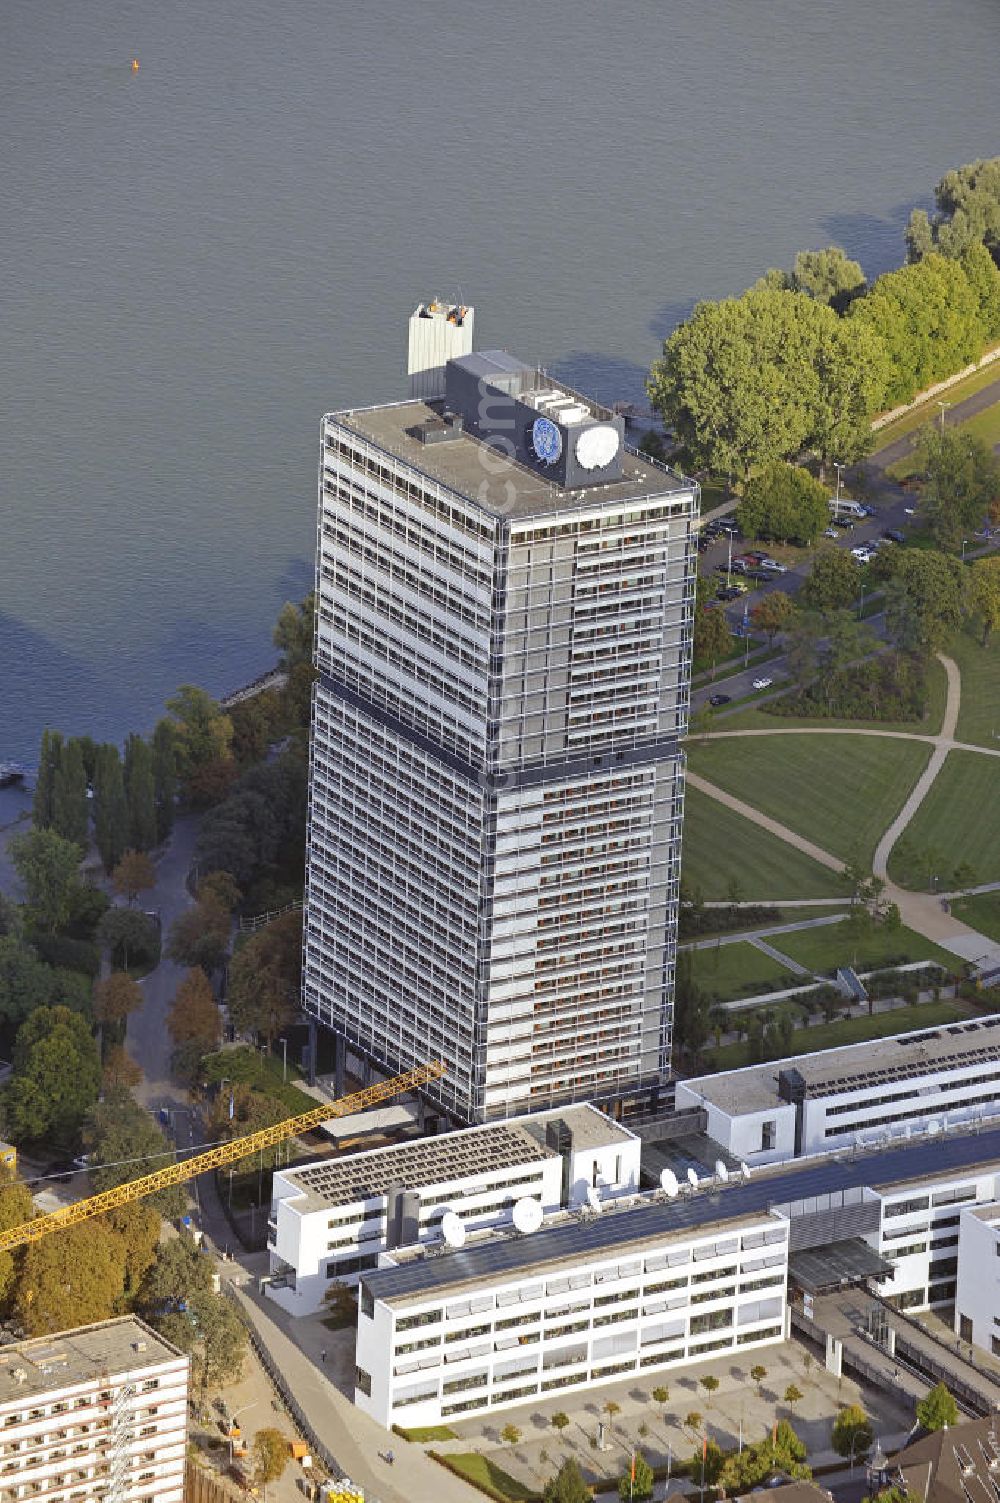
(960, 412)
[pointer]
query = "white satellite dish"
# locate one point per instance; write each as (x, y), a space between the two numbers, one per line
(693, 1178)
(668, 1183)
(594, 1198)
(745, 1170)
(528, 1215)
(933, 1127)
(721, 1172)
(453, 1229)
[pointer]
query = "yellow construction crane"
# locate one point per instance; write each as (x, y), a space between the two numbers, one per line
(212, 1158)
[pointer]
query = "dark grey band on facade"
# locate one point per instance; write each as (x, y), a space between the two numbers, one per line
(532, 775)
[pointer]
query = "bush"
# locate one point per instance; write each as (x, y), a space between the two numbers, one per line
(889, 687)
(68, 954)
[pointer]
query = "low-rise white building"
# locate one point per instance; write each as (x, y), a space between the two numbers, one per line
(577, 1305)
(97, 1412)
(331, 1219)
(857, 1095)
(977, 1296)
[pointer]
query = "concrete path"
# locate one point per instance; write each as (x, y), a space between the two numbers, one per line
(739, 806)
(954, 415)
(783, 960)
(769, 932)
(843, 730)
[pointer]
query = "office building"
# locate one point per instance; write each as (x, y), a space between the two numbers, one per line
(505, 595)
(99, 1412)
(331, 1220)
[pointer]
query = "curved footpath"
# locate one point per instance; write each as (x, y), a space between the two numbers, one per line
(923, 912)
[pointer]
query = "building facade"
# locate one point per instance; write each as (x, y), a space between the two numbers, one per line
(95, 1413)
(505, 599)
(332, 1220)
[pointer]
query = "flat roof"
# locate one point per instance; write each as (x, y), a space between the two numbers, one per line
(482, 475)
(74, 1357)
(854, 1067)
(452, 1156)
(764, 1191)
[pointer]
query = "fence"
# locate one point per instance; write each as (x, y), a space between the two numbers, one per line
(202, 1487)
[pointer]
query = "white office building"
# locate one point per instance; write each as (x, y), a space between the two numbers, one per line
(332, 1219)
(930, 1079)
(977, 1294)
(574, 1306)
(505, 598)
(99, 1412)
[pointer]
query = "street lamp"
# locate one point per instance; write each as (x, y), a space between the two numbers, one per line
(942, 406)
(965, 544)
(233, 1426)
(840, 470)
(284, 1055)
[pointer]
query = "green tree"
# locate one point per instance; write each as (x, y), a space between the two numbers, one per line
(661, 1395)
(16, 1207)
(49, 756)
(783, 501)
(70, 814)
(984, 593)
(962, 481)
(712, 636)
(203, 733)
(611, 1409)
(129, 937)
(567, 1486)
(852, 1432)
(937, 1409)
(48, 867)
(803, 642)
(57, 1076)
(782, 1451)
(834, 581)
(111, 818)
(140, 793)
(25, 983)
(200, 937)
(510, 1435)
(194, 1016)
(125, 1143)
(853, 374)
(270, 1456)
(772, 613)
(828, 275)
(984, 277)
(179, 1273)
(691, 1008)
(135, 873)
(757, 1375)
(710, 1384)
(925, 599)
(793, 1395)
(75, 1277)
(967, 201)
(293, 632)
(265, 977)
(692, 1420)
(559, 1421)
(637, 1480)
(164, 752)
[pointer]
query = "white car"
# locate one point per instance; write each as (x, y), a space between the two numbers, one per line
(830, 532)
(864, 553)
(763, 683)
(771, 566)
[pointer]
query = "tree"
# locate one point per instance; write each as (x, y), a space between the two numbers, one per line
(48, 867)
(116, 997)
(691, 1007)
(251, 1111)
(710, 1384)
(70, 814)
(164, 777)
(967, 203)
(341, 1303)
(637, 1481)
(829, 276)
(265, 977)
(611, 1409)
(270, 1456)
(693, 1420)
(124, 1143)
(833, 582)
(194, 1016)
(962, 483)
(984, 593)
(134, 873)
(70, 1278)
(129, 937)
(200, 937)
(57, 1076)
(567, 1486)
(712, 636)
(925, 597)
(49, 755)
(853, 373)
(120, 1071)
(661, 1395)
(852, 1432)
(559, 1421)
(202, 732)
(772, 613)
(937, 1409)
(510, 1435)
(16, 1207)
(293, 632)
(803, 643)
(757, 1374)
(25, 983)
(781, 1451)
(179, 1273)
(220, 889)
(783, 501)
(793, 1396)
(140, 793)
(110, 807)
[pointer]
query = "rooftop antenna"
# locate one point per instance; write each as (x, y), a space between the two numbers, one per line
(668, 1184)
(594, 1199)
(527, 1215)
(692, 1176)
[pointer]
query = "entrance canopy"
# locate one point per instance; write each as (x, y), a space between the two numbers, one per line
(840, 1265)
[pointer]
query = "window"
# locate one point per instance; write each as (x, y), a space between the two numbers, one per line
(768, 1133)
(363, 1381)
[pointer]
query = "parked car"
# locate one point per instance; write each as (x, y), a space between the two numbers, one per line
(754, 556)
(893, 535)
(830, 532)
(868, 509)
(763, 683)
(844, 523)
(771, 566)
(730, 592)
(718, 699)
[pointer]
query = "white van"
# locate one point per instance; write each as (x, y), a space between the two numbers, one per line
(845, 508)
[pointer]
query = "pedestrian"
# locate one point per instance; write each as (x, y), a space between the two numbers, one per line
(322, 1355)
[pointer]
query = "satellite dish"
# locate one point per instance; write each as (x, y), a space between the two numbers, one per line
(594, 1199)
(745, 1170)
(668, 1183)
(453, 1229)
(933, 1127)
(693, 1178)
(528, 1215)
(721, 1172)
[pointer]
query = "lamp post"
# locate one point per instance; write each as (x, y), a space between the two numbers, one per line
(233, 1426)
(942, 406)
(840, 470)
(965, 544)
(284, 1058)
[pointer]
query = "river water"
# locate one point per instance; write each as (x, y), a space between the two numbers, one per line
(199, 258)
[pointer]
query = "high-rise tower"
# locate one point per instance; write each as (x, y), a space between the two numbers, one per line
(505, 596)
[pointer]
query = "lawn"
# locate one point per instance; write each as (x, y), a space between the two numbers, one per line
(851, 1031)
(720, 845)
(727, 971)
(420, 1433)
(485, 1474)
(834, 945)
(261, 1072)
(985, 425)
(979, 714)
(937, 688)
(981, 911)
(957, 823)
(930, 412)
(842, 792)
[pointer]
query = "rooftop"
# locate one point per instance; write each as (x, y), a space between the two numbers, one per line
(106, 1350)
(856, 1067)
(659, 1218)
(452, 1156)
(959, 1464)
(501, 486)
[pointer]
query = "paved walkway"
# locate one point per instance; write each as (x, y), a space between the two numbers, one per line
(740, 806)
(954, 414)
(767, 931)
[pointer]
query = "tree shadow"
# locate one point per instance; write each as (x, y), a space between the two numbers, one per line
(639, 1395)
(540, 1422)
(666, 318)
(876, 240)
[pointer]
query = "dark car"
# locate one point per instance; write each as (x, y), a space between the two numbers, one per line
(893, 535)
(728, 592)
(718, 699)
(846, 523)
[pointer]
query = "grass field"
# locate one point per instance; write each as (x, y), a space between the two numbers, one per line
(834, 945)
(726, 971)
(937, 688)
(420, 1433)
(842, 792)
(853, 1031)
(979, 713)
(720, 845)
(981, 911)
(484, 1473)
(985, 425)
(930, 411)
(958, 822)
